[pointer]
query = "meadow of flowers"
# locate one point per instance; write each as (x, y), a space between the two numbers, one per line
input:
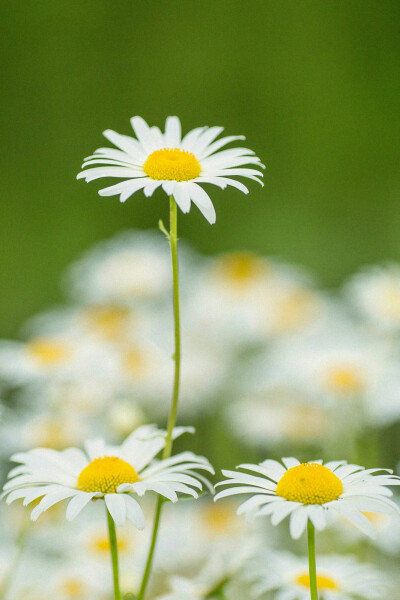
(113, 490)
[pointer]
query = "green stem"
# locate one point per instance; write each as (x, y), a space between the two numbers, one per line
(114, 554)
(173, 242)
(312, 568)
(20, 547)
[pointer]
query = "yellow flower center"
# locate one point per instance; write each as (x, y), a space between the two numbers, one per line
(106, 474)
(323, 582)
(309, 483)
(136, 363)
(107, 320)
(73, 588)
(241, 268)
(219, 519)
(172, 164)
(295, 310)
(345, 380)
(47, 351)
(392, 302)
(100, 544)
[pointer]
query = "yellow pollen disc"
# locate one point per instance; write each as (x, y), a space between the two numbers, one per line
(309, 483)
(73, 588)
(106, 474)
(392, 302)
(101, 545)
(47, 351)
(107, 320)
(219, 519)
(323, 582)
(241, 268)
(345, 380)
(172, 164)
(295, 310)
(136, 363)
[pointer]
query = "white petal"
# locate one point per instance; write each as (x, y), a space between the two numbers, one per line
(134, 512)
(298, 522)
(125, 188)
(77, 504)
(203, 202)
(182, 196)
(172, 136)
(146, 137)
(49, 501)
(117, 507)
(219, 144)
(290, 462)
(317, 517)
(126, 143)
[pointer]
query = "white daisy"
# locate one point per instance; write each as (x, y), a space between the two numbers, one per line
(179, 165)
(338, 577)
(375, 293)
(311, 491)
(249, 299)
(130, 267)
(108, 472)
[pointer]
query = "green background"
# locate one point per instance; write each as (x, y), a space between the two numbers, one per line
(314, 85)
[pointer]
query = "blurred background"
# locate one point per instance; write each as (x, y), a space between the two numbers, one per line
(314, 86)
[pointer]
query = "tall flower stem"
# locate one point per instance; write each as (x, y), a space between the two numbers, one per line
(114, 554)
(172, 237)
(312, 568)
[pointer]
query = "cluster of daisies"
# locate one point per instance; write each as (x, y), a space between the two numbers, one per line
(271, 366)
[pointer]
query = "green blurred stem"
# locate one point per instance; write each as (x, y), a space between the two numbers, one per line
(20, 547)
(114, 554)
(172, 237)
(312, 568)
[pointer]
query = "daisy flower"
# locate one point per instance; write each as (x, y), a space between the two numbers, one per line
(130, 267)
(180, 165)
(375, 293)
(112, 473)
(311, 491)
(338, 577)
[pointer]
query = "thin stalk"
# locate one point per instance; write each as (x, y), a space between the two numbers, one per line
(114, 554)
(312, 568)
(172, 237)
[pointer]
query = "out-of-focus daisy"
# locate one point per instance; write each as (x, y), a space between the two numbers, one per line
(338, 577)
(311, 491)
(216, 574)
(375, 292)
(341, 366)
(277, 416)
(179, 165)
(387, 529)
(108, 472)
(248, 298)
(132, 266)
(61, 357)
(191, 533)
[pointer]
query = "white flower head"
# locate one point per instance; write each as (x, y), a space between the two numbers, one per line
(112, 473)
(130, 267)
(180, 165)
(338, 577)
(375, 293)
(311, 491)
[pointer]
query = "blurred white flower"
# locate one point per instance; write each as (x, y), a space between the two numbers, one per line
(245, 299)
(375, 293)
(134, 266)
(54, 357)
(338, 577)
